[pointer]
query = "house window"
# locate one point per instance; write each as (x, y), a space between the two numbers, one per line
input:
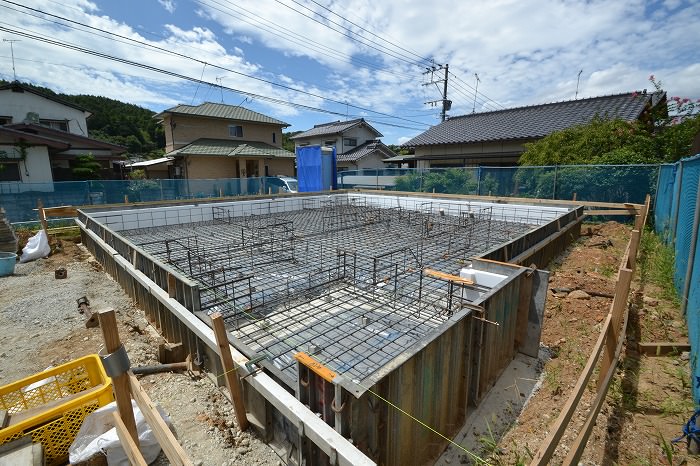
(235, 131)
(5, 120)
(274, 137)
(9, 171)
(329, 143)
(350, 142)
(61, 125)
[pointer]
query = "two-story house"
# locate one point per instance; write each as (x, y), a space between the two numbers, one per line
(41, 136)
(356, 143)
(224, 141)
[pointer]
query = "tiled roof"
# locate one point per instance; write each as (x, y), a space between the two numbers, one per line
(364, 150)
(228, 112)
(75, 141)
(335, 127)
(225, 148)
(534, 121)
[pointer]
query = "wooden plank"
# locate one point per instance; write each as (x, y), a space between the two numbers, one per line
(579, 445)
(662, 348)
(318, 368)
(230, 372)
(128, 445)
(523, 309)
(633, 248)
(167, 441)
(447, 276)
(618, 311)
(120, 383)
(611, 212)
(549, 445)
(61, 211)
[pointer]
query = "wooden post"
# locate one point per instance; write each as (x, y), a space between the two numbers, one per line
(42, 217)
(574, 199)
(126, 198)
(618, 306)
(229, 369)
(122, 390)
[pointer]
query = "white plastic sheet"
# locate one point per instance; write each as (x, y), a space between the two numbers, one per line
(37, 246)
(98, 434)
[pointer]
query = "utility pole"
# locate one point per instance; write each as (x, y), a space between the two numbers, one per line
(12, 51)
(446, 104)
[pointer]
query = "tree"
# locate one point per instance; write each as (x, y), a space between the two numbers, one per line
(86, 168)
(665, 135)
(451, 181)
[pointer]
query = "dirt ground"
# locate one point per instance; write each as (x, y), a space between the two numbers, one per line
(41, 327)
(647, 404)
(650, 397)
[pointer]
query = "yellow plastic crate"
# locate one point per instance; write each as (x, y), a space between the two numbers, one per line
(50, 421)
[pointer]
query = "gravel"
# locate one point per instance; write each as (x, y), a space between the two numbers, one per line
(40, 326)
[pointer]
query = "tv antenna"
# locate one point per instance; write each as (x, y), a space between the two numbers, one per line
(578, 80)
(476, 88)
(12, 51)
(219, 79)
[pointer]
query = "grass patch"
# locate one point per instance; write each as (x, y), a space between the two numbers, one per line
(657, 265)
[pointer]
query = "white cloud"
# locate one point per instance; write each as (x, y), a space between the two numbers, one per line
(168, 5)
(524, 53)
(402, 139)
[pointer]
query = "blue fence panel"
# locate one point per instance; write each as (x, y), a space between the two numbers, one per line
(666, 191)
(686, 217)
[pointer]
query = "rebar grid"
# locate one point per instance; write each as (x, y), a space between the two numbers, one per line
(337, 277)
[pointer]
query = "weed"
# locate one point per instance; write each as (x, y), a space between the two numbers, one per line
(666, 447)
(657, 265)
(489, 441)
(552, 378)
(608, 271)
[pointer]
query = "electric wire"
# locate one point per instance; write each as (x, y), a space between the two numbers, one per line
(191, 79)
(291, 88)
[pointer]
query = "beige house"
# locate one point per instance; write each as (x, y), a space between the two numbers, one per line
(212, 140)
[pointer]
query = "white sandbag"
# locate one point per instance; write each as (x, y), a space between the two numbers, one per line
(98, 435)
(37, 246)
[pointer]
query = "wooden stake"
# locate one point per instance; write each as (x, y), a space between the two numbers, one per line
(122, 390)
(128, 445)
(42, 217)
(229, 369)
(167, 441)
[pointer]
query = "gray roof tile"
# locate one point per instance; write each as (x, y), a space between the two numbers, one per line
(364, 150)
(225, 148)
(228, 112)
(534, 121)
(335, 127)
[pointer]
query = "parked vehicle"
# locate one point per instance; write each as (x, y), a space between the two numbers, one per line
(284, 183)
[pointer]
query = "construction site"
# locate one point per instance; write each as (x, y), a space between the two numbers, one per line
(381, 294)
(346, 327)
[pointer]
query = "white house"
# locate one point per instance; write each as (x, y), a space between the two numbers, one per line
(356, 143)
(41, 136)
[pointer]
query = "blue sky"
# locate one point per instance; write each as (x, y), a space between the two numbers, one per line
(353, 58)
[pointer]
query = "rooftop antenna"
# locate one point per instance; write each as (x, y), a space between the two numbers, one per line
(219, 79)
(12, 51)
(578, 80)
(475, 91)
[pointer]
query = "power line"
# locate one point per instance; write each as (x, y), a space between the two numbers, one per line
(427, 60)
(351, 35)
(189, 78)
(204, 63)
